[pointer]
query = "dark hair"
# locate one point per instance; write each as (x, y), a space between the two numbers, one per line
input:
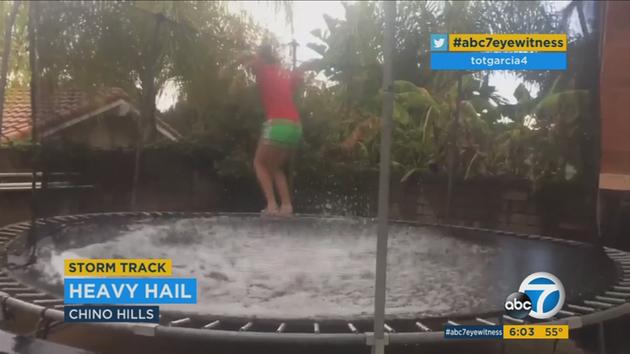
(267, 54)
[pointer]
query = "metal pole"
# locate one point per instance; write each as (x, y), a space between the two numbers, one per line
(383, 181)
(294, 45)
(33, 18)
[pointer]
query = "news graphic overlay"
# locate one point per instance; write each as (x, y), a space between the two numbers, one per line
(507, 332)
(122, 290)
(498, 51)
(546, 293)
(540, 296)
(518, 305)
(439, 42)
(536, 332)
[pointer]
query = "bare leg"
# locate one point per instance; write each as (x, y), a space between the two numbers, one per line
(280, 178)
(265, 177)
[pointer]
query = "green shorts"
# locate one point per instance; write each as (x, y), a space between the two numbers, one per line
(282, 132)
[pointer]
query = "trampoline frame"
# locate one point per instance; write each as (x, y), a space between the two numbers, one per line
(16, 297)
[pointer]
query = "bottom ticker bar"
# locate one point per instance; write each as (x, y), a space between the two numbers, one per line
(507, 332)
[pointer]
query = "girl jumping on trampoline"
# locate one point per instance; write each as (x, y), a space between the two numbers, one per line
(282, 130)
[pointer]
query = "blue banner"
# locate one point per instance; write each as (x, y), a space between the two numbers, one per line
(498, 61)
(473, 332)
(130, 291)
(149, 314)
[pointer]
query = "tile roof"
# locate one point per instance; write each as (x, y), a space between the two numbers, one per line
(54, 109)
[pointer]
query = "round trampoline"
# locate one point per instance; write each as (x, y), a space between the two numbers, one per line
(255, 274)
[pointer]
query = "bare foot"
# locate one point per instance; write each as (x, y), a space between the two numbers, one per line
(286, 210)
(270, 211)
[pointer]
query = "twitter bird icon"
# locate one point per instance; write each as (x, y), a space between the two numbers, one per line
(439, 42)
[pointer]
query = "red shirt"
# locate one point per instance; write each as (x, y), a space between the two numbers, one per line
(277, 87)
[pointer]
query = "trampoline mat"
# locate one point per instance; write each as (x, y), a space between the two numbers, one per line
(310, 268)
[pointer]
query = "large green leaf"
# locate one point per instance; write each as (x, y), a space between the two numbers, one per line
(400, 86)
(401, 115)
(566, 105)
(415, 100)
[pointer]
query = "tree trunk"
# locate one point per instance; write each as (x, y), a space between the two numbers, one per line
(6, 54)
(146, 122)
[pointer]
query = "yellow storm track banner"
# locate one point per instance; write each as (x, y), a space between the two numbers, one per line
(117, 267)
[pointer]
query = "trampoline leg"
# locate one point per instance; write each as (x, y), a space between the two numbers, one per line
(41, 331)
(601, 339)
(502, 342)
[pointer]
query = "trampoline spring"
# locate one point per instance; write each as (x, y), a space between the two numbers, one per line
(622, 288)
(9, 283)
(624, 283)
(17, 288)
(581, 308)
(60, 306)
(484, 321)
(388, 328)
(281, 327)
(598, 304)
(617, 294)
(316, 328)
(352, 328)
(615, 253)
(30, 295)
(19, 227)
(246, 326)
(567, 313)
(179, 322)
(47, 301)
(422, 327)
(610, 299)
(452, 323)
(212, 325)
(512, 319)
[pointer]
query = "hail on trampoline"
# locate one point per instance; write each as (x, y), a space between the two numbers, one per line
(245, 268)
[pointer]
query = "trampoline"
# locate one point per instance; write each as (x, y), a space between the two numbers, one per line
(254, 274)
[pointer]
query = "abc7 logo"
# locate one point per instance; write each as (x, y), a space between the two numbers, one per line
(540, 296)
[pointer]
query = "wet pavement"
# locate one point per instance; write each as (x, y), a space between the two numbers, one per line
(12, 344)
